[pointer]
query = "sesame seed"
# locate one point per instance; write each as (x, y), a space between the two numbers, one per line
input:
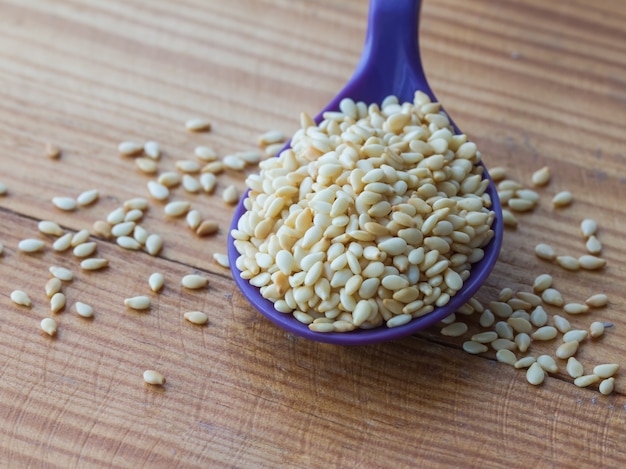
(535, 374)
(83, 310)
(568, 262)
(233, 162)
(500, 344)
(133, 215)
(509, 219)
(94, 263)
(129, 148)
(123, 229)
(249, 157)
(552, 297)
(102, 229)
(57, 302)
(79, 237)
(138, 302)
(567, 349)
(188, 166)
(574, 368)
(497, 173)
(52, 286)
(169, 179)
(273, 149)
(214, 167)
(541, 177)
(589, 262)
(575, 308)
(484, 337)
(205, 153)
(193, 219)
(474, 347)
(596, 329)
(49, 326)
(140, 234)
(116, 216)
(506, 356)
(137, 203)
(153, 377)
(177, 208)
(50, 228)
(586, 380)
(87, 197)
(456, 329)
(85, 249)
(606, 370)
(524, 362)
(544, 333)
(271, 136)
(67, 204)
(208, 181)
(522, 340)
(61, 273)
(221, 259)
(158, 191)
(198, 125)
(194, 281)
(606, 386)
(545, 251)
(146, 165)
(593, 245)
(542, 282)
(562, 199)
(191, 184)
(588, 227)
(230, 195)
(129, 243)
(152, 150)
(521, 205)
(52, 151)
(156, 282)
(3, 189)
(154, 244)
(196, 317)
(31, 245)
(486, 318)
(21, 298)
(561, 324)
(548, 364)
(539, 317)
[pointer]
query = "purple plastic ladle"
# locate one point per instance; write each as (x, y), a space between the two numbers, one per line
(390, 64)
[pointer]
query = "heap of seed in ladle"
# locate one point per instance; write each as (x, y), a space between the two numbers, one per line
(372, 217)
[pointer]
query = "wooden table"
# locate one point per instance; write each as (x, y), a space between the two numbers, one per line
(534, 83)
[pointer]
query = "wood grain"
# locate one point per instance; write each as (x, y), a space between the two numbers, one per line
(534, 83)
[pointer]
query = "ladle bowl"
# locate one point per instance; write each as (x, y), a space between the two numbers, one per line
(390, 64)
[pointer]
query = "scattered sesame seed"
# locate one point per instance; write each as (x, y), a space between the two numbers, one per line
(83, 310)
(87, 197)
(541, 177)
(194, 281)
(535, 374)
(94, 263)
(31, 245)
(152, 150)
(221, 259)
(67, 204)
(50, 228)
(57, 302)
(606, 386)
(153, 377)
(156, 282)
(138, 302)
(198, 125)
(562, 199)
(49, 326)
(196, 317)
(21, 298)
(129, 148)
(61, 273)
(52, 151)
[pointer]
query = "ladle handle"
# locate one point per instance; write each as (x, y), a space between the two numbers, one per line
(392, 31)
